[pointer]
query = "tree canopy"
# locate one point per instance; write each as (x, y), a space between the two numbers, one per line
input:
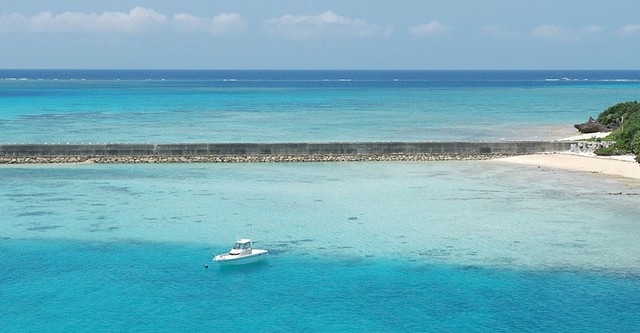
(627, 136)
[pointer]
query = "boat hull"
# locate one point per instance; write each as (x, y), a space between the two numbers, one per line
(234, 260)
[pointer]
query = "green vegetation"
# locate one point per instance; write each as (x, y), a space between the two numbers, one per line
(609, 151)
(627, 136)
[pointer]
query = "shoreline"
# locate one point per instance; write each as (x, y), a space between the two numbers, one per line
(620, 166)
(612, 166)
(586, 136)
(617, 166)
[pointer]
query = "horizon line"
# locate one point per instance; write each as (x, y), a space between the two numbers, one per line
(326, 69)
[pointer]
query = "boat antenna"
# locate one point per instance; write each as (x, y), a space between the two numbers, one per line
(237, 226)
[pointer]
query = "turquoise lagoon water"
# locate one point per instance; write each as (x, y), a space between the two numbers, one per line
(302, 106)
(382, 247)
(452, 246)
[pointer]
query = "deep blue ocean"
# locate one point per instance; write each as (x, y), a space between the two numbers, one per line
(476, 246)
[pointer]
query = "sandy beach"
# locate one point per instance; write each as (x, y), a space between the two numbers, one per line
(623, 166)
(620, 166)
(586, 136)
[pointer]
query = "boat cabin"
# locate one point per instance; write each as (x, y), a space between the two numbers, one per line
(241, 247)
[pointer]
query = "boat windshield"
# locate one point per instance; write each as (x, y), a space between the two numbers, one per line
(241, 246)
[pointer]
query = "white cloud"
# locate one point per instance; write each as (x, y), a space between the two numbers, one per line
(12, 22)
(218, 25)
(630, 30)
(556, 32)
(498, 30)
(430, 29)
(546, 31)
(592, 29)
(135, 20)
(325, 24)
(388, 31)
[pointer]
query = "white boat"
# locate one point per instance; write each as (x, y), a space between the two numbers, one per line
(240, 254)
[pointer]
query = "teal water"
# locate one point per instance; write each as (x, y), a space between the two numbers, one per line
(302, 106)
(451, 246)
(158, 287)
(381, 247)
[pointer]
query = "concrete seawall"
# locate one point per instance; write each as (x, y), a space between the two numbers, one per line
(265, 152)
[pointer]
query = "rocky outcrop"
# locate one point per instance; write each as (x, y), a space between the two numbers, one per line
(249, 158)
(585, 147)
(271, 152)
(593, 126)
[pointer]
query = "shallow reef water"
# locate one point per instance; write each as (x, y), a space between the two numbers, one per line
(453, 246)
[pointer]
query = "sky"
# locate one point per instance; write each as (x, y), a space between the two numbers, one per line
(315, 34)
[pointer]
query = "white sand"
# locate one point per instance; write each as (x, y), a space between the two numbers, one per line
(623, 166)
(587, 136)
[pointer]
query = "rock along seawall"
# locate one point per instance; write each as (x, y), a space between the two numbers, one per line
(271, 152)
